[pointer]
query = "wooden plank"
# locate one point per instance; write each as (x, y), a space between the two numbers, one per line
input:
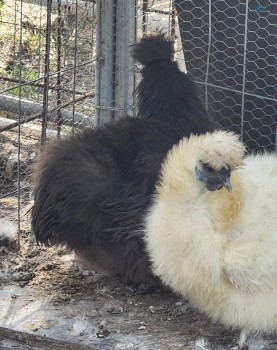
(43, 343)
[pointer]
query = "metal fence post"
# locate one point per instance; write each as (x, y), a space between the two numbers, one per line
(124, 62)
(105, 50)
(115, 78)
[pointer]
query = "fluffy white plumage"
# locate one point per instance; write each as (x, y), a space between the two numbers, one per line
(218, 249)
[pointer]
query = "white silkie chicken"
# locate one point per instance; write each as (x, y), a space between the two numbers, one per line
(218, 247)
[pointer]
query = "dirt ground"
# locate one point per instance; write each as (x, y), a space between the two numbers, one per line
(48, 292)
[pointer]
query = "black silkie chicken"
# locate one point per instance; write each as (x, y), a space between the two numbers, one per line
(91, 191)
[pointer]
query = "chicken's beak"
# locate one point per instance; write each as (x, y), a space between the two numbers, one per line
(227, 184)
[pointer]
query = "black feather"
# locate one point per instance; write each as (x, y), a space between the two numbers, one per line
(166, 93)
(153, 48)
(92, 190)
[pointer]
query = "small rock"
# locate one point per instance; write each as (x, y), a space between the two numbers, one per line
(103, 333)
(124, 346)
(85, 273)
(115, 310)
(25, 277)
(151, 309)
(32, 155)
(142, 328)
(64, 297)
(15, 296)
(12, 162)
(32, 254)
(22, 284)
(48, 267)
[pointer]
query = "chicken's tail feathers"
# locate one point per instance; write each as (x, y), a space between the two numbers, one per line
(153, 48)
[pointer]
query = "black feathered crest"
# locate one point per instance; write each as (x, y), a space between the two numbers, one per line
(165, 92)
(152, 48)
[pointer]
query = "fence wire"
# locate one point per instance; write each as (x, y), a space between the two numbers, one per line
(47, 87)
(231, 51)
(54, 77)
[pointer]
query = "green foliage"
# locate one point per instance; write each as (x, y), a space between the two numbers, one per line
(1, 8)
(27, 74)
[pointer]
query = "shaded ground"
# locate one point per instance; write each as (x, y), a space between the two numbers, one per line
(47, 292)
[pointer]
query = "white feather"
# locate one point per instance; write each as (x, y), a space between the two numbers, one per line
(218, 249)
(201, 344)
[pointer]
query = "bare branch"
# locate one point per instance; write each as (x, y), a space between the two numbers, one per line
(66, 115)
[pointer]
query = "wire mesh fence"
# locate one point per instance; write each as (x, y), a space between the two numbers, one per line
(230, 50)
(47, 85)
(67, 64)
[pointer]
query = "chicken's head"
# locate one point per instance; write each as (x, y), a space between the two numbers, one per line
(214, 179)
(220, 153)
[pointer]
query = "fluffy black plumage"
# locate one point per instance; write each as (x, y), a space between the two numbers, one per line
(165, 93)
(92, 190)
